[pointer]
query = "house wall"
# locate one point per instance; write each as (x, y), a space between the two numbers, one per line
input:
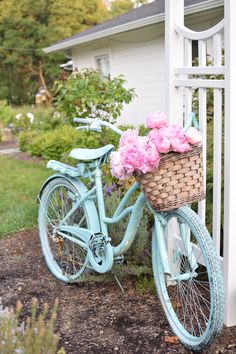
(139, 56)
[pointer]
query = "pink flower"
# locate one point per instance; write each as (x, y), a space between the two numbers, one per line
(117, 168)
(180, 145)
(156, 120)
(161, 142)
(193, 136)
(129, 137)
(170, 137)
(131, 157)
(150, 154)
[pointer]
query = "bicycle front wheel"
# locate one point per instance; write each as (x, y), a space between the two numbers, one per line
(65, 259)
(193, 295)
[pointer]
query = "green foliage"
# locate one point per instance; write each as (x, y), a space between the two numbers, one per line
(27, 26)
(87, 94)
(26, 138)
(6, 113)
(56, 144)
(145, 284)
(34, 336)
(118, 7)
(69, 17)
(140, 251)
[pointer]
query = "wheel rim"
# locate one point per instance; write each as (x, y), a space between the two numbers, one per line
(68, 259)
(188, 302)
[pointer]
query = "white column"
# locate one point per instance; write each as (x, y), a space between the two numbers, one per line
(229, 265)
(174, 13)
(174, 56)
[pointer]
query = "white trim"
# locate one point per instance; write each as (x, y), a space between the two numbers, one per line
(196, 83)
(230, 166)
(208, 5)
(195, 35)
(202, 92)
(200, 70)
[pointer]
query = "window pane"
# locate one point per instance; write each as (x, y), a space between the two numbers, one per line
(103, 64)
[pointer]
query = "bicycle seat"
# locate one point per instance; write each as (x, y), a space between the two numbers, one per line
(91, 154)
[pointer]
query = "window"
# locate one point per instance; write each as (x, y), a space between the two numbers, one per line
(103, 64)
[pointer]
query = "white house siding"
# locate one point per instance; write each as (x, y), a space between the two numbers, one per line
(139, 56)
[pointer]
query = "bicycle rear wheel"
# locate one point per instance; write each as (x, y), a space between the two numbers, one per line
(193, 296)
(65, 259)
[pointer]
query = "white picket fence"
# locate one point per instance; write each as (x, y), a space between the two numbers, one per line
(181, 81)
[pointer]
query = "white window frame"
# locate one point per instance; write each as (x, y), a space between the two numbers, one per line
(103, 57)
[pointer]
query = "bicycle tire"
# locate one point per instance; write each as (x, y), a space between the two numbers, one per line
(211, 298)
(66, 260)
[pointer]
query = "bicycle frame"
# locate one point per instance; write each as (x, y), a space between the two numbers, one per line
(122, 211)
(135, 212)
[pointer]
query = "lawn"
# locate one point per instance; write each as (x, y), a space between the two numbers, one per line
(20, 182)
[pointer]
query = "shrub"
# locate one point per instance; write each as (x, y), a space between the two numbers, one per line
(44, 119)
(26, 138)
(6, 114)
(57, 143)
(86, 93)
(34, 336)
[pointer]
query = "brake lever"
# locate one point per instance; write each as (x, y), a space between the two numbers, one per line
(86, 127)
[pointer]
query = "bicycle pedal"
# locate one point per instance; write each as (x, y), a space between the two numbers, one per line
(119, 259)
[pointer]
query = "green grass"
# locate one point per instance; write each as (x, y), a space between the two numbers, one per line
(20, 182)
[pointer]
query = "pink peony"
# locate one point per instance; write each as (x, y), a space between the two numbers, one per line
(170, 137)
(150, 154)
(117, 168)
(156, 120)
(180, 145)
(129, 137)
(193, 136)
(131, 157)
(161, 142)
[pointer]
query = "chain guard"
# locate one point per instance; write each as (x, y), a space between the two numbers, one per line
(100, 252)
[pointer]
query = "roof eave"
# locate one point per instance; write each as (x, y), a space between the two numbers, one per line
(210, 4)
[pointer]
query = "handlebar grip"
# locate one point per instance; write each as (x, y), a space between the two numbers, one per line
(83, 120)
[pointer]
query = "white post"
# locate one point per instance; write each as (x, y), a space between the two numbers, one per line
(174, 13)
(229, 264)
(174, 56)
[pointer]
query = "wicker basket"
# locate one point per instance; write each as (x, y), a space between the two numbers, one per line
(177, 181)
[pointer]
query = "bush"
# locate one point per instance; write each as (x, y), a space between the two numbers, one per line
(44, 119)
(6, 114)
(57, 143)
(86, 93)
(26, 138)
(34, 336)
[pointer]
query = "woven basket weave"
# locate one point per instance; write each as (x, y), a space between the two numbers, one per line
(177, 181)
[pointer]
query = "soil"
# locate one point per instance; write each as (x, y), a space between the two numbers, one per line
(93, 317)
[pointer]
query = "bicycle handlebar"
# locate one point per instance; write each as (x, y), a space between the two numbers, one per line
(95, 124)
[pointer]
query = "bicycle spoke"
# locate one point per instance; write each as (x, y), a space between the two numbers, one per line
(70, 257)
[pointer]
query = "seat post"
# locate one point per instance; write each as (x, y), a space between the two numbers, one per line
(100, 199)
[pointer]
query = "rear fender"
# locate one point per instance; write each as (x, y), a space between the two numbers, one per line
(88, 203)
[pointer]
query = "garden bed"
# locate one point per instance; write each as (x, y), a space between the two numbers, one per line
(93, 317)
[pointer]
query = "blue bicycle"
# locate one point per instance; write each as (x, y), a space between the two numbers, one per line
(74, 238)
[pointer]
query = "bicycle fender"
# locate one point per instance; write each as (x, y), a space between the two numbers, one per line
(82, 190)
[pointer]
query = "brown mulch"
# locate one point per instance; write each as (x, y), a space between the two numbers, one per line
(92, 317)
